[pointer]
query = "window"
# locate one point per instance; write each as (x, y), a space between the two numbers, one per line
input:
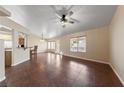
(7, 44)
(78, 44)
(48, 44)
(82, 44)
(51, 45)
(74, 44)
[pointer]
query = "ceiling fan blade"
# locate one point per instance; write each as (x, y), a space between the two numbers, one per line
(70, 13)
(69, 8)
(54, 20)
(72, 22)
(58, 14)
(75, 20)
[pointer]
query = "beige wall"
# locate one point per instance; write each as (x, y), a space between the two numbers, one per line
(117, 41)
(97, 44)
(34, 40)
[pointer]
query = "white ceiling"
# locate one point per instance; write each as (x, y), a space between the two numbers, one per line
(38, 18)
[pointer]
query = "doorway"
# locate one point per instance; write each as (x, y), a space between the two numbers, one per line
(6, 35)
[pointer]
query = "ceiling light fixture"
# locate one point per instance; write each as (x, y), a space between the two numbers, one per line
(65, 15)
(42, 38)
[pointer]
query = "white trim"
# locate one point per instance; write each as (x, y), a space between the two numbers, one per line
(20, 62)
(98, 61)
(117, 74)
(41, 51)
(1, 79)
(5, 12)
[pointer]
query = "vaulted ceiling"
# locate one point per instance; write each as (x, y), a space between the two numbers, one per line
(38, 18)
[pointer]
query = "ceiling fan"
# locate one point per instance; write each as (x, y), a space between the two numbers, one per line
(64, 15)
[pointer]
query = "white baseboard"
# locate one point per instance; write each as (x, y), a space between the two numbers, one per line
(1, 79)
(117, 74)
(20, 62)
(98, 61)
(41, 51)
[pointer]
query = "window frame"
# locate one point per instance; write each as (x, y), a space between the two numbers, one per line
(73, 47)
(78, 39)
(50, 42)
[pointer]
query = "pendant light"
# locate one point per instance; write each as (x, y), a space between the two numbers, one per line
(42, 38)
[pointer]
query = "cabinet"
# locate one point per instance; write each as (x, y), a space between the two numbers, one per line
(8, 58)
